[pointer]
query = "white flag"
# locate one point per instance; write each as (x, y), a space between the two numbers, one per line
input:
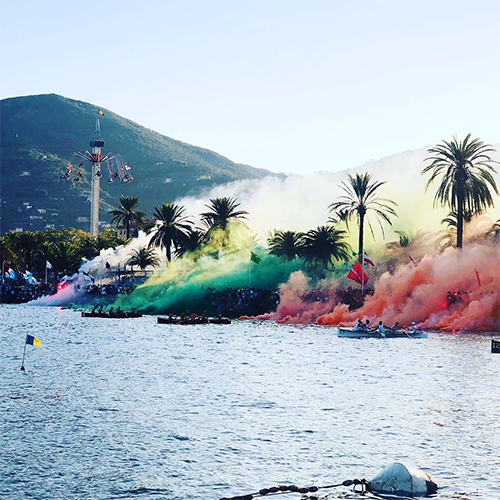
(48, 265)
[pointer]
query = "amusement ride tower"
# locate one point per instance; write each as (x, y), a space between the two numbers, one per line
(95, 157)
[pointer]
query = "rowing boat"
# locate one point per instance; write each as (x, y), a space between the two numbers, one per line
(349, 333)
(196, 321)
(113, 316)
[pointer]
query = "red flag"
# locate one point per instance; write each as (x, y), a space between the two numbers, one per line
(358, 275)
(477, 277)
(367, 260)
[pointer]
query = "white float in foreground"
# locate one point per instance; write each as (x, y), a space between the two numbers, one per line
(397, 479)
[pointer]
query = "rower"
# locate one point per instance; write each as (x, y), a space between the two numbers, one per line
(381, 329)
(395, 327)
(366, 326)
(358, 326)
(414, 328)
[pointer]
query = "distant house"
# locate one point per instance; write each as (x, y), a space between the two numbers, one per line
(121, 232)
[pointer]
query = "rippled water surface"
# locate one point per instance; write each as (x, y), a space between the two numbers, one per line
(129, 408)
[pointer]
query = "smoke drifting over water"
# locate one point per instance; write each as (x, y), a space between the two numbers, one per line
(410, 283)
(414, 292)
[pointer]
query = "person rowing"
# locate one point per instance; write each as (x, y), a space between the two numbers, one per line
(358, 327)
(395, 327)
(381, 329)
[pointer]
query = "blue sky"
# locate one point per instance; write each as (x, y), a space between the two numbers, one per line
(293, 86)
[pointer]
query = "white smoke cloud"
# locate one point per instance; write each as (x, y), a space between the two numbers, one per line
(300, 202)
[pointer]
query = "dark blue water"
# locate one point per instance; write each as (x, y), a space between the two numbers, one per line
(111, 409)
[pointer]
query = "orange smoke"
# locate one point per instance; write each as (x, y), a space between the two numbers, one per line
(414, 293)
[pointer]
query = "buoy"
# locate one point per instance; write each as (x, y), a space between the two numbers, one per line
(398, 479)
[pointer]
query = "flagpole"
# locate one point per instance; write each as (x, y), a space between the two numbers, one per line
(362, 277)
(24, 354)
(249, 272)
(45, 272)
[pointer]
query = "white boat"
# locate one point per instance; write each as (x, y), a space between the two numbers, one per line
(349, 333)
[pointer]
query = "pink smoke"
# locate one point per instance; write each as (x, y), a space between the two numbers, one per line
(414, 293)
(292, 308)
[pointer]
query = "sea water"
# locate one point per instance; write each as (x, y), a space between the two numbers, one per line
(126, 408)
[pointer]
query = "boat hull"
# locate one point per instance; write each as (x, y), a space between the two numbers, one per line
(398, 334)
(106, 315)
(198, 321)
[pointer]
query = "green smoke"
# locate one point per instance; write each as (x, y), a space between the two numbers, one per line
(224, 262)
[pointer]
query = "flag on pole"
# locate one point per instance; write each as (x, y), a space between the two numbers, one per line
(255, 258)
(48, 265)
(477, 277)
(367, 260)
(30, 279)
(358, 275)
(30, 340)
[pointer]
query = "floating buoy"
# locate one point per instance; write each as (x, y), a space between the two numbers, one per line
(398, 479)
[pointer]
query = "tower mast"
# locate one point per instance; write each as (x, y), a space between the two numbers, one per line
(95, 157)
(96, 144)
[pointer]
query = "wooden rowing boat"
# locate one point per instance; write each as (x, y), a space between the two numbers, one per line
(113, 316)
(196, 321)
(349, 333)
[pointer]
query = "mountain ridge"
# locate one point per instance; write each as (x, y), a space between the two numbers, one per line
(39, 135)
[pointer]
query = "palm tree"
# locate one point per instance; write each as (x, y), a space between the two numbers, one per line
(173, 229)
(451, 220)
(466, 169)
(143, 258)
(64, 257)
(221, 212)
(360, 199)
(494, 231)
(127, 213)
(7, 254)
(285, 244)
(324, 244)
(193, 241)
(26, 243)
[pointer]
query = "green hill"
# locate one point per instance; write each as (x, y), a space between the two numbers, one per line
(39, 135)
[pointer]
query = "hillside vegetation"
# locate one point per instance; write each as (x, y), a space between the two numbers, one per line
(39, 135)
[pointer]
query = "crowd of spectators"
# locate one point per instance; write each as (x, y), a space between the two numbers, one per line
(353, 297)
(13, 293)
(248, 301)
(232, 302)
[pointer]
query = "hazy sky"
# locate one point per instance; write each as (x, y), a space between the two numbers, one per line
(294, 86)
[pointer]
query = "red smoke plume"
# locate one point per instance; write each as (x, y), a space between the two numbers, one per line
(414, 293)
